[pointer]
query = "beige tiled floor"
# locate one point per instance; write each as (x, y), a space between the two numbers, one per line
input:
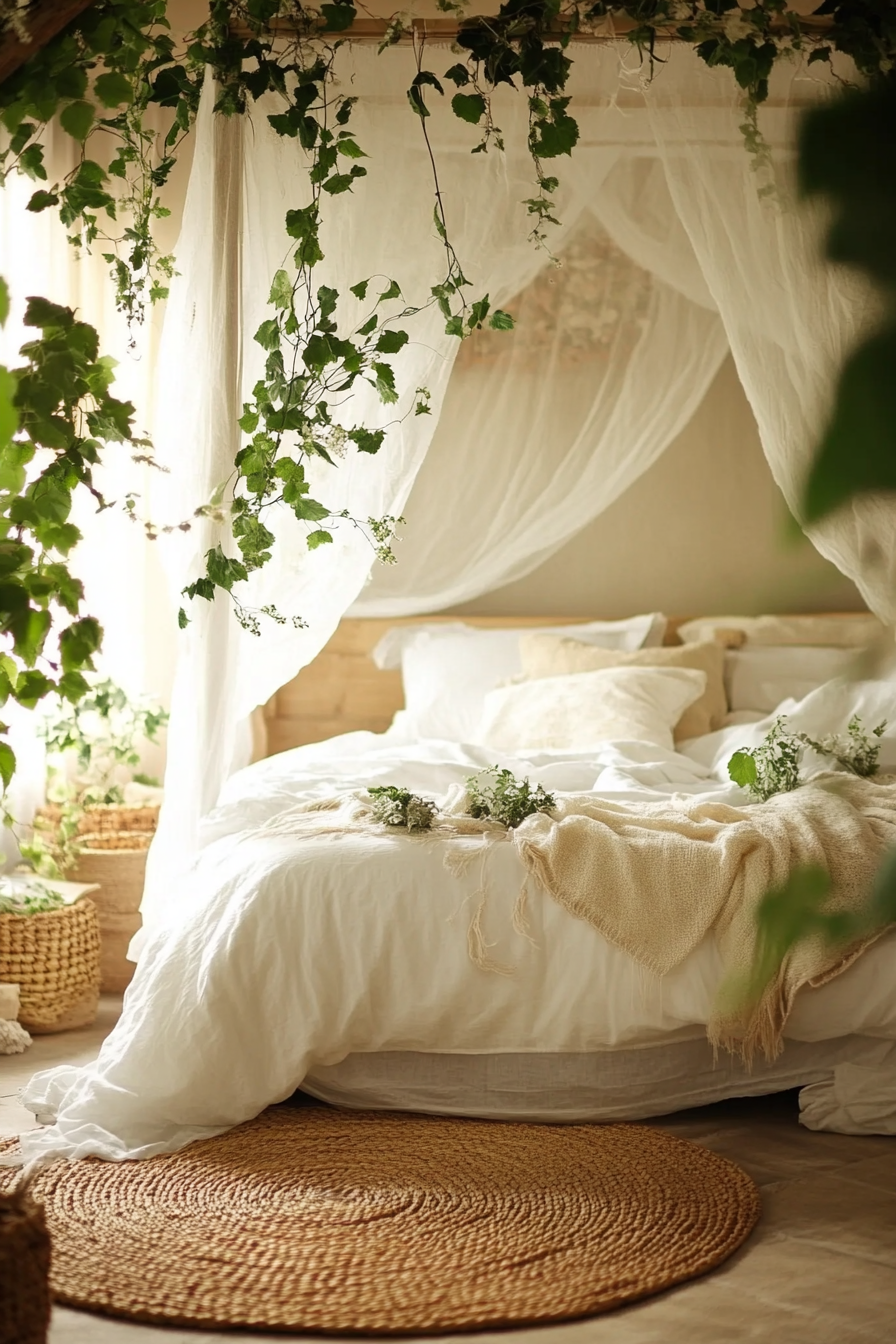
(820, 1268)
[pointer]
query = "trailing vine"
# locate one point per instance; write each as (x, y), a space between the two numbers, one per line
(57, 414)
(297, 411)
(97, 80)
(116, 63)
(774, 766)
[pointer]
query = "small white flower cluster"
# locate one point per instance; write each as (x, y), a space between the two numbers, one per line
(12, 17)
(337, 441)
(383, 532)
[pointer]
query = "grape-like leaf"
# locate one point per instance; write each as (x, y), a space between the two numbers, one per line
(742, 769)
(77, 119)
(113, 89)
(469, 107)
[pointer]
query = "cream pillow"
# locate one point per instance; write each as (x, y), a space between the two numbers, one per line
(554, 656)
(580, 711)
(830, 630)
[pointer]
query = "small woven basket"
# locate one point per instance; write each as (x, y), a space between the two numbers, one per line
(24, 1270)
(54, 957)
(116, 865)
(129, 840)
(106, 819)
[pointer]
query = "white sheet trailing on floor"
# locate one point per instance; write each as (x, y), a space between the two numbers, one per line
(668, 253)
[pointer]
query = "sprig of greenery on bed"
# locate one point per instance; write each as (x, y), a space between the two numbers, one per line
(397, 807)
(774, 766)
(494, 795)
(498, 795)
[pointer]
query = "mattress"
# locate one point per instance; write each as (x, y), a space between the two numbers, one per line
(626, 1084)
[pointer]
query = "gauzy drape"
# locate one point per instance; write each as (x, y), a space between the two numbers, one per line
(662, 167)
(533, 437)
(790, 318)
(615, 347)
(543, 428)
(244, 179)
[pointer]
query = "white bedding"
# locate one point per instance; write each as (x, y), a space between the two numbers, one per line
(288, 955)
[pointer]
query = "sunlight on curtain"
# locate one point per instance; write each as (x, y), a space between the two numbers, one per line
(121, 575)
(244, 179)
(543, 428)
(790, 318)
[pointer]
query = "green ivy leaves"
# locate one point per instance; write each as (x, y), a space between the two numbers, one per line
(77, 119)
(58, 401)
(469, 107)
(99, 77)
(314, 358)
(848, 154)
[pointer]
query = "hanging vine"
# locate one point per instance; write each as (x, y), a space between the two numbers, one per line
(117, 60)
(109, 76)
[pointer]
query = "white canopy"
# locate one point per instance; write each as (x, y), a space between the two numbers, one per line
(670, 254)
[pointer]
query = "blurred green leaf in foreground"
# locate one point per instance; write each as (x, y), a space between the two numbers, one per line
(847, 153)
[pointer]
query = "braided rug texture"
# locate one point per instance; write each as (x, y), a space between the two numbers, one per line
(309, 1219)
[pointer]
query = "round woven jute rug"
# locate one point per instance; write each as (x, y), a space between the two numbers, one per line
(313, 1219)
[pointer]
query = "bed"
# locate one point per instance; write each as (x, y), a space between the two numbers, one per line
(339, 959)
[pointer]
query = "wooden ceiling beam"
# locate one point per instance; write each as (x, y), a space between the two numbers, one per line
(44, 20)
(446, 30)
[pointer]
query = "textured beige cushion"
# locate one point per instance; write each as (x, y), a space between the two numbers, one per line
(830, 630)
(640, 704)
(556, 656)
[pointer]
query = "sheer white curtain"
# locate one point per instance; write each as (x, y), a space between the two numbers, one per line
(789, 317)
(544, 428)
(663, 166)
(614, 350)
(244, 179)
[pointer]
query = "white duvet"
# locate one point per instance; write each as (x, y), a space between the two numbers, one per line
(287, 954)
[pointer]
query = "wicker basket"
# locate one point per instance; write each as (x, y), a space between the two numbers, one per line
(113, 839)
(105, 819)
(117, 865)
(24, 1270)
(54, 957)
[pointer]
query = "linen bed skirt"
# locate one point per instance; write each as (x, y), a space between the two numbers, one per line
(622, 1084)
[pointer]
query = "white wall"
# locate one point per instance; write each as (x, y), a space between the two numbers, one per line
(704, 531)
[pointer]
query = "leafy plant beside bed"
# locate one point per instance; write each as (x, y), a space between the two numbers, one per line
(774, 766)
(32, 898)
(103, 730)
(100, 736)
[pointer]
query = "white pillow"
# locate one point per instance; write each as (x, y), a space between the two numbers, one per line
(830, 708)
(448, 669)
(580, 711)
(760, 678)
(850, 630)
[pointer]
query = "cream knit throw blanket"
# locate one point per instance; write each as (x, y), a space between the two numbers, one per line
(656, 879)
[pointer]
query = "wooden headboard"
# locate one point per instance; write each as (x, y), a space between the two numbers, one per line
(343, 690)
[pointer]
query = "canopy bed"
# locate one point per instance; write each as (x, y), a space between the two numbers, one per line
(438, 973)
(287, 939)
